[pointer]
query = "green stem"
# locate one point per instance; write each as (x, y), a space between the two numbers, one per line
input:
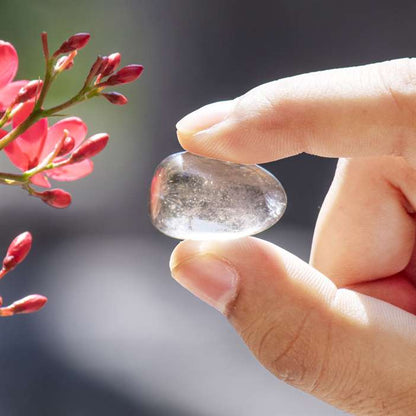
(46, 83)
(83, 95)
(29, 189)
(25, 177)
(11, 179)
(5, 117)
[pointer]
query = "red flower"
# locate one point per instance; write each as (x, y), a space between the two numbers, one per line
(8, 68)
(115, 98)
(112, 64)
(35, 144)
(24, 151)
(29, 304)
(77, 41)
(28, 92)
(18, 250)
(90, 148)
(57, 198)
(125, 75)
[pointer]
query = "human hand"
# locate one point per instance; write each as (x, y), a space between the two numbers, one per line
(342, 328)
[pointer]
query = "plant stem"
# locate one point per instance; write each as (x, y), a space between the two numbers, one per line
(5, 117)
(46, 84)
(83, 95)
(11, 179)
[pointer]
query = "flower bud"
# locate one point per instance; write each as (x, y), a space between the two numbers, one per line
(104, 63)
(125, 75)
(45, 46)
(112, 64)
(29, 91)
(57, 198)
(65, 62)
(18, 250)
(28, 304)
(91, 147)
(95, 68)
(67, 145)
(77, 41)
(115, 98)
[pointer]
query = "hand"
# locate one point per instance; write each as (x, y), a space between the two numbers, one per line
(342, 328)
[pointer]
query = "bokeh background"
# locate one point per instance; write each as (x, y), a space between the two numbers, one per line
(119, 336)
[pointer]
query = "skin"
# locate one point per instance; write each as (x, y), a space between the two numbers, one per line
(342, 327)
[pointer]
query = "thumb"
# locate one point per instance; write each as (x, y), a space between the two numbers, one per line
(353, 351)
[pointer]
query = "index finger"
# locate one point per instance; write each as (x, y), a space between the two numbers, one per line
(360, 111)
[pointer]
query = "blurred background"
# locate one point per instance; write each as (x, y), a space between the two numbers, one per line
(119, 336)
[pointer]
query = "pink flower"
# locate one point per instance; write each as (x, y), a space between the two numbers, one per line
(112, 64)
(18, 250)
(125, 75)
(25, 150)
(90, 148)
(29, 304)
(8, 68)
(57, 198)
(77, 41)
(115, 98)
(29, 149)
(28, 92)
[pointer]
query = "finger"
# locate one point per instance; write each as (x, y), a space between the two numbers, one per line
(366, 230)
(367, 110)
(332, 343)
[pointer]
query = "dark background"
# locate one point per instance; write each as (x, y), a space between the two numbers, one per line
(118, 336)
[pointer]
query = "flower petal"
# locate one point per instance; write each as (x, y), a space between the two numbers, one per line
(31, 141)
(41, 180)
(72, 172)
(23, 113)
(17, 156)
(8, 63)
(9, 92)
(77, 130)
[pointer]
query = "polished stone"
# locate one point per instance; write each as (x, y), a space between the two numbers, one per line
(198, 198)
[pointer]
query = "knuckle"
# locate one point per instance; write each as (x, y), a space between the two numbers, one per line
(267, 107)
(255, 103)
(273, 108)
(398, 80)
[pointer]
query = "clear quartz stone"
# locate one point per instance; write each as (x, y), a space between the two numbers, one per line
(198, 198)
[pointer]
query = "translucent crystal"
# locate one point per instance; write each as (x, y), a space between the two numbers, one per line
(193, 197)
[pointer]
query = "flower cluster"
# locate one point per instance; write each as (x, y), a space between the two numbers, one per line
(61, 151)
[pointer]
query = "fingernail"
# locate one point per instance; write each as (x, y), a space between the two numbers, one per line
(205, 117)
(209, 278)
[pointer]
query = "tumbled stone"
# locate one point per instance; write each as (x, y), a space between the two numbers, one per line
(198, 198)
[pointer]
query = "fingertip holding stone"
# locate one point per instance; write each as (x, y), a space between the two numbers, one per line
(205, 117)
(209, 278)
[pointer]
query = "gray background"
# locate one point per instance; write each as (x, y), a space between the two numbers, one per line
(119, 336)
